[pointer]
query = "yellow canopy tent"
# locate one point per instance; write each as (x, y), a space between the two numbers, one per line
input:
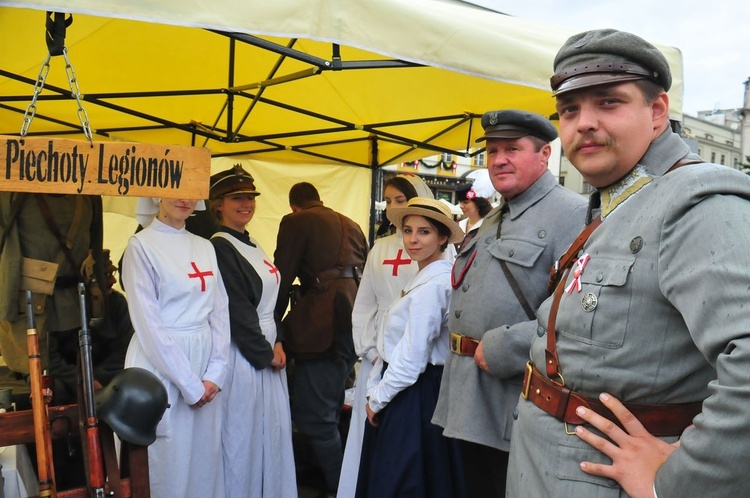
(290, 86)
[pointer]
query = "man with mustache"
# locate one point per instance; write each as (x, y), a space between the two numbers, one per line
(646, 333)
(499, 279)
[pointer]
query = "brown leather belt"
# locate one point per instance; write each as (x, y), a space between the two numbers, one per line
(343, 272)
(463, 345)
(561, 403)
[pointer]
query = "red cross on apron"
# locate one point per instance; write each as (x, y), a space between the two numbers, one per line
(273, 270)
(201, 275)
(396, 262)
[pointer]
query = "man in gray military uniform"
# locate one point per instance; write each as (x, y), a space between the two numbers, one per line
(653, 310)
(499, 279)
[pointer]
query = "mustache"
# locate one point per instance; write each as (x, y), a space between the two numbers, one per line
(589, 140)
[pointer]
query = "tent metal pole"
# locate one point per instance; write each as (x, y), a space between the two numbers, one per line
(257, 96)
(375, 181)
(230, 84)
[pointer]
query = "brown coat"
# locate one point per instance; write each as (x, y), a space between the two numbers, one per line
(309, 242)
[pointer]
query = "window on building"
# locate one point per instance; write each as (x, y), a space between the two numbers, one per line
(480, 159)
(587, 188)
(723, 158)
(713, 157)
(447, 158)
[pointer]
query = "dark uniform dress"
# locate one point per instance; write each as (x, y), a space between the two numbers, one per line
(257, 433)
(406, 454)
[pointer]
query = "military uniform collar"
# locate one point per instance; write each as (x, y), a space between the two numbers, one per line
(664, 152)
(313, 204)
(536, 192)
(617, 193)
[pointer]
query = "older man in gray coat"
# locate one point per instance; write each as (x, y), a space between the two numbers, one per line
(499, 279)
(653, 310)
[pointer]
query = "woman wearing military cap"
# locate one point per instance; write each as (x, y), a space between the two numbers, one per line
(404, 454)
(257, 432)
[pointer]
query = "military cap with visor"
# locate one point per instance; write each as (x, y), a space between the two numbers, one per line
(516, 124)
(231, 182)
(606, 56)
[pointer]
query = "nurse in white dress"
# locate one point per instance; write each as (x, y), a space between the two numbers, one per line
(178, 307)
(387, 271)
(257, 433)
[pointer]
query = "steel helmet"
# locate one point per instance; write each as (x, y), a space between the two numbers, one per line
(132, 405)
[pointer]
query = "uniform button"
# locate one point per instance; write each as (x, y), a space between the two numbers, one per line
(511, 253)
(39, 307)
(542, 234)
(540, 331)
(515, 414)
(636, 244)
(43, 267)
(489, 240)
(465, 287)
(457, 313)
(599, 277)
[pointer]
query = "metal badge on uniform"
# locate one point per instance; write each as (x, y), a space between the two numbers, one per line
(589, 302)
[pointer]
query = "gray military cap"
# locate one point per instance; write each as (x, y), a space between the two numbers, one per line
(605, 56)
(516, 124)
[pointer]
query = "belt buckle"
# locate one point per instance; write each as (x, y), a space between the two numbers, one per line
(527, 380)
(455, 342)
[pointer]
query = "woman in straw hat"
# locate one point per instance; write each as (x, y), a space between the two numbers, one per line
(257, 433)
(404, 454)
(387, 271)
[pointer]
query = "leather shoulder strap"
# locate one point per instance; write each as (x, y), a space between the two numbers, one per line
(571, 255)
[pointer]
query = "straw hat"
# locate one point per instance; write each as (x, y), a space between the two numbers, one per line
(429, 208)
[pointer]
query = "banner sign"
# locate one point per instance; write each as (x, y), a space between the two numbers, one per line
(62, 166)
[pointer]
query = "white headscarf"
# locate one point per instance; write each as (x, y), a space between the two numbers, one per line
(146, 209)
(419, 185)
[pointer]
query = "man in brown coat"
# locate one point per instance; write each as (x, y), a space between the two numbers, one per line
(327, 252)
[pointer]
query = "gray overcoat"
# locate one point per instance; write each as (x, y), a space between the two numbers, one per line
(473, 405)
(670, 270)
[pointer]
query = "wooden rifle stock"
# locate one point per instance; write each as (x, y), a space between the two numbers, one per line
(95, 460)
(39, 400)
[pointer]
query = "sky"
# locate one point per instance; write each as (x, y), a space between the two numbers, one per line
(713, 36)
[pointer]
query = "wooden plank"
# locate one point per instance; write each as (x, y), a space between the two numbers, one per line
(18, 427)
(64, 166)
